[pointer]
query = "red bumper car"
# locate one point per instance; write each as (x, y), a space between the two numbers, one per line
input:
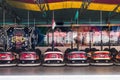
(53, 58)
(29, 59)
(77, 58)
(117, 59)
(7, 59)
(101, 58)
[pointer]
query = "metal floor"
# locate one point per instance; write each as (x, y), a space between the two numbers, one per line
(90, 70)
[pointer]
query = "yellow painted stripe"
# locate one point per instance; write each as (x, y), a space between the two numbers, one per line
(22, 5)
(52, 6)
(102, 7)
(63, 5)
(118, 10)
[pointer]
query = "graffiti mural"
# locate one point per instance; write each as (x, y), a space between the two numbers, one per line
(85, 34)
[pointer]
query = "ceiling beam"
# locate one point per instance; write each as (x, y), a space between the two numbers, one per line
(85, 5)
(5, 7)
(42, 4)
(83, 8)
(112, 14)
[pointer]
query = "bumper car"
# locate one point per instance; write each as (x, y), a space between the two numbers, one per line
(53, 58)
(117, 59)
(17, 38)
(77, 58)
(29, 58)
(101, 58)
(7, 59)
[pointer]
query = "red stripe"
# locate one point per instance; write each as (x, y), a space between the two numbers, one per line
(52, 1)
(107, 1)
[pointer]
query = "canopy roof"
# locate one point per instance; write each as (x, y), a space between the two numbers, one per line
(65, 11)
(103, 5)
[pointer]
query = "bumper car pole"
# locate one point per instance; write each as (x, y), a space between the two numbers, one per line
(101, 30)
(72, 36)
(53, 40)
(109, 35)
(90, 36)
(53, 27)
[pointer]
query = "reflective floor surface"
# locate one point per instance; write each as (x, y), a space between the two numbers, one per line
(90, 70)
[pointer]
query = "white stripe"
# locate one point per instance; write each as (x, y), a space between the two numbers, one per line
(53, 59)
(52, 52)
(78, 59)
